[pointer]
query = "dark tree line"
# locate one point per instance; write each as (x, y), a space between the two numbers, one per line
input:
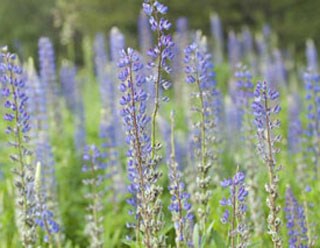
(23, 22)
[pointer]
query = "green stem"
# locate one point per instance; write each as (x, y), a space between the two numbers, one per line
(272, 183)
(157, 93)
(94, 200)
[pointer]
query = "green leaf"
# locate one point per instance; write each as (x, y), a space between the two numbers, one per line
(195, 236)
(207, 236)
(218, 239)
(129, 243)
(167, 229)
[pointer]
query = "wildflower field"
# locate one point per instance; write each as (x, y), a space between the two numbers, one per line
(187, 141)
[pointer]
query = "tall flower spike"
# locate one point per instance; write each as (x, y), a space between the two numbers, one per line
(74, 102)
(144, 33)
(142, 168)
(199, 72)
(48, 78)
(217, 33)
(248, 49)
(18, 128)
(264, 108)
(40, 140)
(117, 43)
(161, 54)
(44, 217)
(181, 39)
(312, 132)
(312, 56)
(68, 84)
(244, 95)
(110, 132)
(235, 205)
(295, 130)
(234, 52)
(94, 171)
(296, 221)
(180, 207)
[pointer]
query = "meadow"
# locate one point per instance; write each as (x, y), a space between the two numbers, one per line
(187, 141)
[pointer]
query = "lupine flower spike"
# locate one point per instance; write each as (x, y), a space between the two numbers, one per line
(94, 170)
(243, 100)
(17, 118)
(142, 170)
(199, 72)
(46, 193)
(44, 217)
(161, 54)
(236, 206)
(312, 132)
(49, 79)
(180, 207)
(264, 108)
(296, 221)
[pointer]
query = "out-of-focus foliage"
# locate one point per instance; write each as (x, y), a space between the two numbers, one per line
(292, 20)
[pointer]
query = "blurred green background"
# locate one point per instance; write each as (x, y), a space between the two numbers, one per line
(65, 21)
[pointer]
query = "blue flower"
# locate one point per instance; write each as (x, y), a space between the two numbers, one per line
(296, 221)
(17, 120)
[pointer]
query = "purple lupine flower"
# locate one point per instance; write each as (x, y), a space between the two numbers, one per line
(48, 78)
(200, 74)
(235, 205)
(110, 132)
(74, 102)
(68, 84)
(45, 221)
(144, 33)
(100, 54)
(17, 119)
(243, 97)
(117, 43)
(40, 139)
(101, 62)
(312, 132)
(248, 48)
(94, 168)
(279, 68)
(160, 56)
(266, 31)
(217, 33)
(263, 55)
(247, 41)
(142, 169)
(234, 49)
(312, 56)
(244, 93)
(296, 222)
(241, 93)
(295, 130)
(44, 218)
(180, 207)
(264, 108)
(181, 39)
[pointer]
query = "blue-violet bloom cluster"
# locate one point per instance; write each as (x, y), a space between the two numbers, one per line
(264, 108)
(142, 168)
(236, 206)
(296, 221)
(18, 127)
